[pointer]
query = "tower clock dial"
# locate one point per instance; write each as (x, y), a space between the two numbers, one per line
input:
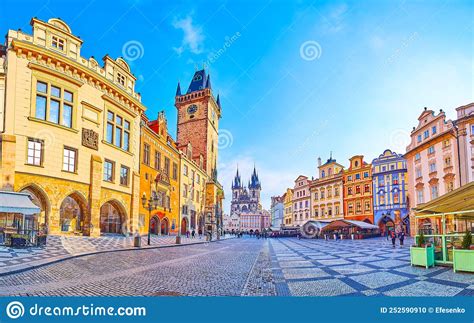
(192, 109)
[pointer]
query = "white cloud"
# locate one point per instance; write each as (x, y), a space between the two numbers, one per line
(333, 21)
(193, 37)
(274, 181)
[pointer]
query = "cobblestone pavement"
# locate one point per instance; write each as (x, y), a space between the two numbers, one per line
(62, 247)
(219, 268)
(245, 267)
(368, 267)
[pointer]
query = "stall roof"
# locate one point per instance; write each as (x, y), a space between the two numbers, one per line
(349, 223)
(318, 224)
(458, 200)
(14, 202)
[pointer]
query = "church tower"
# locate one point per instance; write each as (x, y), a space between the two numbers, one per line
(198, 120)
(254, 187)
(236, 187)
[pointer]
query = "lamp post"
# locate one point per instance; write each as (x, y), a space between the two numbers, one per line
(150, 204)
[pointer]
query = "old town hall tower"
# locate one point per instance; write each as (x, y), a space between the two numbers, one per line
(198, 119)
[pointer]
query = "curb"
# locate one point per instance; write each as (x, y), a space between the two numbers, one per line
(20, 270)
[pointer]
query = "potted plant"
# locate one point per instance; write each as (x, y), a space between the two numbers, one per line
(422, 254)
(18, 240)
(463, 259)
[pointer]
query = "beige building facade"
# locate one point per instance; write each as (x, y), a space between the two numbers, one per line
(70, 132)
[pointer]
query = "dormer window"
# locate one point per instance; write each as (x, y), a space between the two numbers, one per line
(57, 42)
(120, 79)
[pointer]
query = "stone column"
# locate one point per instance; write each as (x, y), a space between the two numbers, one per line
(7, 162)
(135, 203)
(92, 227)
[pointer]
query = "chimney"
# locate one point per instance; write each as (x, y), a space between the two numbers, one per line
(319, 161)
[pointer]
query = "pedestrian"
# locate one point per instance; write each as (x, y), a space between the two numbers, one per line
(401, 236)
(193, 234)
(200, 233)
(394, 236)
(388, 233)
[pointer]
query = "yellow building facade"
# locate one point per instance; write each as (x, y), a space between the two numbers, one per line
(288, 207)
(159, 178)
(70, 135)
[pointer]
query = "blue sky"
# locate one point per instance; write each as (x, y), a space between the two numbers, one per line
(297, 79)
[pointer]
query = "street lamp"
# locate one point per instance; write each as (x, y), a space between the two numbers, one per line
(150, 204)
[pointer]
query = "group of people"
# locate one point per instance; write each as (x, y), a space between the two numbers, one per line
(192, 234)
(394, 234)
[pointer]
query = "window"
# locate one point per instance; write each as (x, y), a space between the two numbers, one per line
(349, 178)
(336, 210)
(418, 138)
(69, 159)
(419, 196)
(418, 172)
(417, 156)
(336, 191)
(124, 175)
(323, 194)
(185, 170)
(382, 199)
(357, 189)
(357, 176)
(323, 174)
(146, 154)
(198, 178)
(118, 132)
(450, 186)
(358, 207)
(366, 174)
(157, 160)
(35, 152)
(432, 167)
(433, 130)
(57, 42)
(426, 134)
(108, 171)
(175, 172)
(316, 196)
(472, 130)
(349, 191)
(447, 161)
(60, 108)
(329, 192)
(185, 190)
(120, 79)
(350, 208)
(434, 191)
(306, 203)
(431, 150)
(367, 188)
(396, 198)
(167, 166)
(367, 206)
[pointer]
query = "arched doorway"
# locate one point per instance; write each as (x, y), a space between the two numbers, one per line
(165, 226)
(184, 226)
(155, 225)
(71, 213)
(111, 218)
(40, 199)
(386, 224)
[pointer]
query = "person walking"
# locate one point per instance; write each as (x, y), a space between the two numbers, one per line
(401, 236)
(393, 236)
(193, 234)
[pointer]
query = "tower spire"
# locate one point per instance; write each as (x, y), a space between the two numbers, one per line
(178, 90)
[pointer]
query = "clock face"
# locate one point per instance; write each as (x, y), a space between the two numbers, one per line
(192, 109)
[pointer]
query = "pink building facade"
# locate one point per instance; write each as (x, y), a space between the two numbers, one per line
(465, 126)
(301, 201)
(432, 159)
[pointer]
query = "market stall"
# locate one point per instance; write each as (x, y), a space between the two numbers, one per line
(445, 224)
(350, 229)
(18, 219)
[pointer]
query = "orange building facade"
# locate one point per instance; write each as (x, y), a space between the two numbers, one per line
(159, 170)
(358, 198)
